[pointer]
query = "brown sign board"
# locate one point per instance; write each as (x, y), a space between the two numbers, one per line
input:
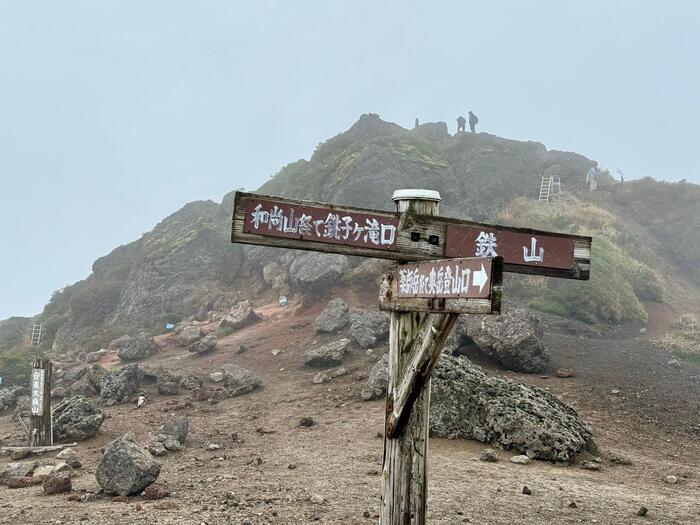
(323, 227)
(527, 249)
(467, 285)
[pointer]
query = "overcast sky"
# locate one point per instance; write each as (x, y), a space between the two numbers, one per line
(115, 114)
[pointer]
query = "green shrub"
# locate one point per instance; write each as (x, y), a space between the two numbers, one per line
(16, 365)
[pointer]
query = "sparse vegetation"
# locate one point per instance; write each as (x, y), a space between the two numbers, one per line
(684, 338)
(16, 365)
(619, 283)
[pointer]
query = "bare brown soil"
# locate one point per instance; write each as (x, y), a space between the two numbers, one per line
(269, 467)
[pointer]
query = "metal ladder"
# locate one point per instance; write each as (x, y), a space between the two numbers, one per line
(35, 339)
(545, 188)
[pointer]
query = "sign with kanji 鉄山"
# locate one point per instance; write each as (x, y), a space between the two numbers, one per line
(468, 285)
(517, 248)
(303, 225)
(328, 224)
(37, 400)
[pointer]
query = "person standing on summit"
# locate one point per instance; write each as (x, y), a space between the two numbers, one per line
(473, 121)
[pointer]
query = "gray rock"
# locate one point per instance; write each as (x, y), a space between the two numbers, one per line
(177, 428)
(369, 327)
(335, 315)
(191, 382)
(156, 448)
(489, 455)
(240, 315)
(315, 272)
(468, 404)
(217, 377)
(135, 348)
(58, 393)
(117, 386)
(330, 354)
(57, 483)
(513, 338)
(168, 383)
(203, 346)
(521, 459)
(169, 442)
(189, 335)
(76, 419)
(16, 469)
(378, 380)
(69, 456)
(73, 374)
(126, 468)
(82, 387)
(94, 357)
(238, 380)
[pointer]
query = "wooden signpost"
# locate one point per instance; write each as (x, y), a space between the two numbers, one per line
(40, 429)
(463, 272)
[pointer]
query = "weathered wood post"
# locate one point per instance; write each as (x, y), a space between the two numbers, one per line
(40, 429)
(404, 470)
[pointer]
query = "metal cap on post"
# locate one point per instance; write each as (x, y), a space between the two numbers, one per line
(417, 201)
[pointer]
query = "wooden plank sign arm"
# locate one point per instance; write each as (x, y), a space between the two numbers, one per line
(408, 236)
(424, 354)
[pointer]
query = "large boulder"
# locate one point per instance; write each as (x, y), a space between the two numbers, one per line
(135, 348)
(203, 346)
(378, 380)
(82, 387)
(75, 419)
(330, 354)
(238, 380)
(514, 339)
(16, 469)
(168, 383)
(276, 276)
(178, 428)
(334, 316)
(369, 327)
(315, 272)
(126, 468)
(240, 315)
(468, 404)
(188, 335)
(117, 386)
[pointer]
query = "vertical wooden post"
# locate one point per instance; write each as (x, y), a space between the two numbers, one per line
(40, 429)
(404, 470)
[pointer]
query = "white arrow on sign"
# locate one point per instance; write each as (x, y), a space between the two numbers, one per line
(480, 278)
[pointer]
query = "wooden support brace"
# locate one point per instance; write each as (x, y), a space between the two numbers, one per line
(422, 357)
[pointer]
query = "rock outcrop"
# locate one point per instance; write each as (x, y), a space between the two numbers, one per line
(335, 315)
(513, 338)
(238, 380)
(468, 404)
(315, 272)
(203, 346)
(76, 419)
(240, 315)
(126, 468)
(369, 327)
(330, 354)
(375, 387)
(134, 348)
(117, 386)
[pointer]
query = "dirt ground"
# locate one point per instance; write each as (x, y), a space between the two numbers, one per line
(269, 467)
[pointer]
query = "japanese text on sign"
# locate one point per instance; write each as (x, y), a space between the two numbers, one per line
(537, 249)
(329, 225)
(461, 278)
(38, 391)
